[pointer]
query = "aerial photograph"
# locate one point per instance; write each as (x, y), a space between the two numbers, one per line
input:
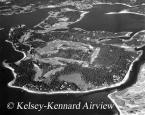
(79, 57)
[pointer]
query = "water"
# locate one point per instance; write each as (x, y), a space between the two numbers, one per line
(134, 72)
(29, 19)
(97, 19)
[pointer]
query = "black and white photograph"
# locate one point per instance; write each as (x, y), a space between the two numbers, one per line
(72, 57)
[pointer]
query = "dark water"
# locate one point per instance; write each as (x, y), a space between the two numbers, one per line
(95, 20)
(29, 19)
(134, 72)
